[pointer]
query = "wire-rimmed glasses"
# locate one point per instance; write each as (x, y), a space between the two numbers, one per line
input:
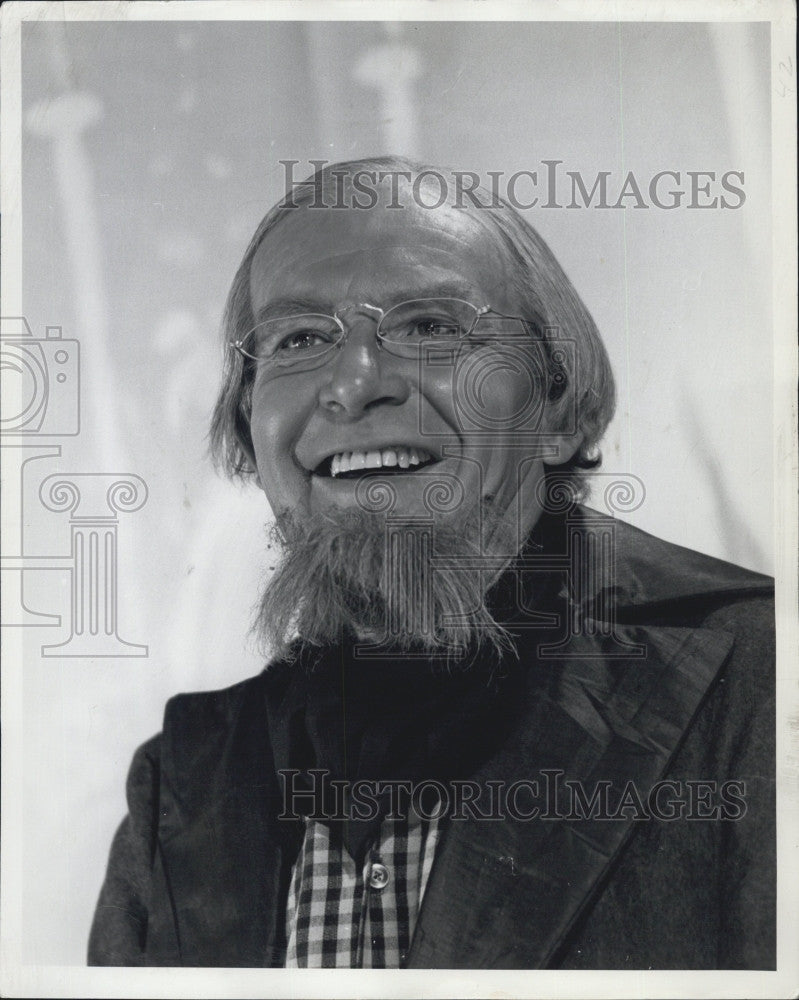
(404, 330)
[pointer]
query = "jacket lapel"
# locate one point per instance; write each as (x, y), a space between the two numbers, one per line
(504, 894)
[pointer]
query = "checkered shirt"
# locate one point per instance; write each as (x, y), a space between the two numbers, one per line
(339, 916)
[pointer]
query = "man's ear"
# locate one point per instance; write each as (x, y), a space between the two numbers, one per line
(253, 469)
(568, 445)
(241, 431)
(559, 423)
(248, 453)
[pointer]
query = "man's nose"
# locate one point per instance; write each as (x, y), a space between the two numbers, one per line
(360, 376)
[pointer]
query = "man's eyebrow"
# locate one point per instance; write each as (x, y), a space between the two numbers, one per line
(451, 289)
(290, 307)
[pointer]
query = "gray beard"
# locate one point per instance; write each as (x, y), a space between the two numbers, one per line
(352, 569)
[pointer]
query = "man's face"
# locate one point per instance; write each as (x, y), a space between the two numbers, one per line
(364, 401)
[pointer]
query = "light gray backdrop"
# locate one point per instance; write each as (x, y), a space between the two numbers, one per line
(150, 152)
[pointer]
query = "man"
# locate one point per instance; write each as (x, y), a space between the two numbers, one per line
(499, 730)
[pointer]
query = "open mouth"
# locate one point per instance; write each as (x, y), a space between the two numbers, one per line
(386, 461)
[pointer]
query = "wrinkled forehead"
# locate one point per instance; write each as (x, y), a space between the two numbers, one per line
(341, 254)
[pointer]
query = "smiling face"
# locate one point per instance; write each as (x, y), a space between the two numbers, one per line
(471, 416)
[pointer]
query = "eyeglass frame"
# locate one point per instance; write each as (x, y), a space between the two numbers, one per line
(480, 311)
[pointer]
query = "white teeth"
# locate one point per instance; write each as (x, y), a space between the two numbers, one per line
(400, 455)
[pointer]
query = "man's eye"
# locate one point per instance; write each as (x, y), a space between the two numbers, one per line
(304, 340)
(436, 329)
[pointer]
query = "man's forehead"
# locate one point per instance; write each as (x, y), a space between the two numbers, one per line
(409, 245)
(300, 229)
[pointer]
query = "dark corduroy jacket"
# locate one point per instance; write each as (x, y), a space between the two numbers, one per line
(679, 689)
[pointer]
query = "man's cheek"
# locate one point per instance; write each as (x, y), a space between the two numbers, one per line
(280, 411)
(497, 391)
(273, 452)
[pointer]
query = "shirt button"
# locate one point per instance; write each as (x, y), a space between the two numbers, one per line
(378, 876)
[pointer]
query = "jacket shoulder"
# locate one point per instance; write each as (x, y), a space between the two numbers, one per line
(649, 571)
(201, 728)
(219, 707)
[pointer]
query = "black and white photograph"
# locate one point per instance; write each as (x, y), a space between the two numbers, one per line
(399, 478)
